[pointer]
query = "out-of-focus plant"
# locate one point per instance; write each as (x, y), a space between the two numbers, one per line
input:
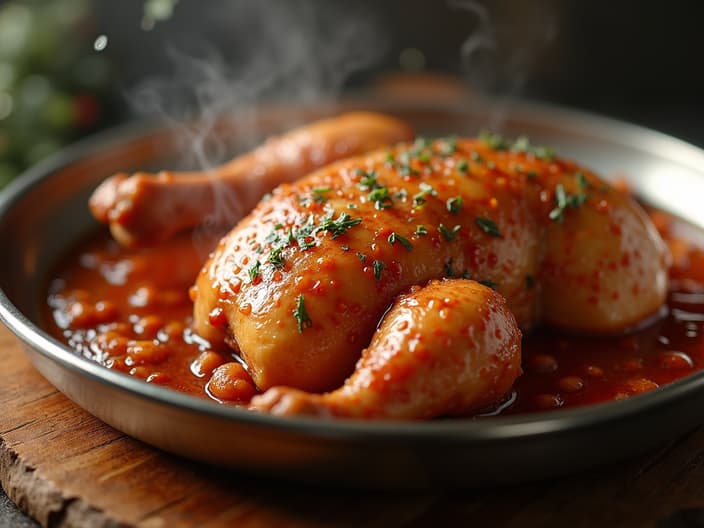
(53, 80)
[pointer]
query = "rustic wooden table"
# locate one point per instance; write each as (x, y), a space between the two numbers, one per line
(66, 468)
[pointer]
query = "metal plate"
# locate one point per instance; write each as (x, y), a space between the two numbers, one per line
(43, 212)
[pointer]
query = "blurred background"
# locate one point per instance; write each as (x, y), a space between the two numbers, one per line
(69, 68)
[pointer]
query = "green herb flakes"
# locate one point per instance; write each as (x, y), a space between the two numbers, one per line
(339, 226)
(276, 258)
(254, 271)
(488, 226)
(378, 266)
(449, 234)
(395, 237)
(300, 314)
(454, 204)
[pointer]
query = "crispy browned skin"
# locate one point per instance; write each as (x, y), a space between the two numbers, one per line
(145, 208)
(596, 266)
(448, 348)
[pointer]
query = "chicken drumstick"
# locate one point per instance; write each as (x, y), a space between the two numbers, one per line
(146, 208)
(448, 348)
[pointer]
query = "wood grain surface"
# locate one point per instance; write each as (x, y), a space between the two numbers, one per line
(66, 468)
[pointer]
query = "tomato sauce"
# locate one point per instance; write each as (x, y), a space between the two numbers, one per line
(130, 311)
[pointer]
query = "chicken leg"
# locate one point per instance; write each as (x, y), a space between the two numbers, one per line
(449, 348)
(145, 208)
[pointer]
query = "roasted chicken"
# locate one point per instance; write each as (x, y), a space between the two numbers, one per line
(395, 283)
(299, 286)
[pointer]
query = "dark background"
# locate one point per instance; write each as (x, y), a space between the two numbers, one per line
(639, 61)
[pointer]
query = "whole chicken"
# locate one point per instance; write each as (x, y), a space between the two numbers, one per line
(300, 286)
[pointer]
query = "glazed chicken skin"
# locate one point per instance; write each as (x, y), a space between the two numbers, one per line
(449, 348)
(299, 286)
(145, 208)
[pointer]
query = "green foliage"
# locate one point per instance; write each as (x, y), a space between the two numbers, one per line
(52, 80)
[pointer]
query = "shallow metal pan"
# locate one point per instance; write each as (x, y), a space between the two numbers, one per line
(45, 212)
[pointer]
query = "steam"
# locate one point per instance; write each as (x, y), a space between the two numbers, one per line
(483, 37)
(287, 51)
(305, 51)
(504, 47)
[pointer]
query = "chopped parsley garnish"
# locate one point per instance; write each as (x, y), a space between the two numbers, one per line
(402, 195)
(463, 165)
(493, 141)
(407, 170)
(449, 235)
(254, 271)
(319, 194)
(379, 194)
(523, 144)
(488, 226)
(275, 238)
(582, 181)
(339, 226)
(390, 157)
(425, 190)
(531, 175)
(543, 153)
(378, 266)
(449, 273)
(362, 257)
(421, 230)
(454, 204)
(301, 315)
(421, 143)
(276, 258)
(476, 157)
(303, 233)
(565, 199)
(395, 237)
(448, 146)
(345, 248)
(381, 198)
(368, 180)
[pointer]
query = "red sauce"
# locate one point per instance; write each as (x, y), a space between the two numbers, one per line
(130, 311)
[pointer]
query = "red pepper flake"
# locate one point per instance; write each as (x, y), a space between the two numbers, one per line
(217, 317)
